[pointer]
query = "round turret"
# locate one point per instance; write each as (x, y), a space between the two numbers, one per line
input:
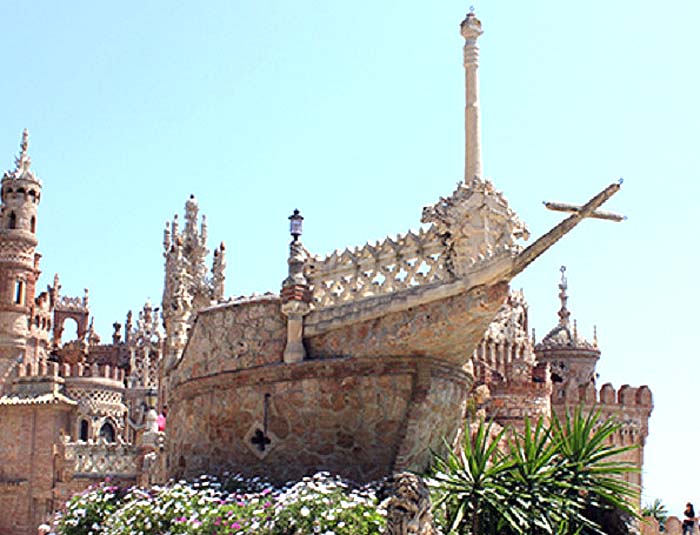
(570, 356)
(20, 192)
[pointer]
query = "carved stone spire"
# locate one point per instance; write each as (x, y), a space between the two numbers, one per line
(22, 162)
(187, 287)
(471, 30)
(563, 311)
(217, 271)
(595, 336)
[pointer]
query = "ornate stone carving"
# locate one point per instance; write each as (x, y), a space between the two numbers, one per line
(510, 324)
(474, 223)
(408, 510)
(23, 163)
(187, 288)
(409, 260)
(101, 459)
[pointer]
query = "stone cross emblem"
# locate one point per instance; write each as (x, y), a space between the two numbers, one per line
(260, 440)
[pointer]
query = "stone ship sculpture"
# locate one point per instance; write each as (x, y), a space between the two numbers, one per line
(361, 365)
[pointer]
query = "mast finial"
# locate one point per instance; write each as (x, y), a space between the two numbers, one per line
(563, 311)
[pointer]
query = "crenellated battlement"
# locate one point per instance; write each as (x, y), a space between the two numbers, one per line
(626, 396)
(79, 370)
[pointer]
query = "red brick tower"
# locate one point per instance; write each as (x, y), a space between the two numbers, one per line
(19, 263)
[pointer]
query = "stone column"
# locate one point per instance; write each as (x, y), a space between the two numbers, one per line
(471, 30)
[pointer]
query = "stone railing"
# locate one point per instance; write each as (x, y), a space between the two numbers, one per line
(409, 260)
(67, 303)
(470, 240)
(464, 233)
(98, 460)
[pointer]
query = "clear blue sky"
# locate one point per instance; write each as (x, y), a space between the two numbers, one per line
(352, 112)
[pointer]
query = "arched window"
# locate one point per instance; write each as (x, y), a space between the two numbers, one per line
(83, 430)
(32, 225)
(12, 223)
(107, 432)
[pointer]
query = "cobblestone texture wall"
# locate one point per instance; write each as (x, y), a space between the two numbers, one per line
(229, 338)
(361, 417)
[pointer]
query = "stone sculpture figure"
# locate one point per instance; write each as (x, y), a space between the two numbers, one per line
(408, 510)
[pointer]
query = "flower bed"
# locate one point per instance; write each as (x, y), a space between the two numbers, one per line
(315, 505)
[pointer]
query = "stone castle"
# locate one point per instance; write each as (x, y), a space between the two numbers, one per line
(361, 364)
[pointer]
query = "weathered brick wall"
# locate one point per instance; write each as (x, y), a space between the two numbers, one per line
(629, 406)
(28, 464)
(511, 402)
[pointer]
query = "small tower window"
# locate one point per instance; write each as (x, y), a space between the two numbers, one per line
(83, 430)
(12, 223)
(107, 432)
(32, 225)
(19, 292)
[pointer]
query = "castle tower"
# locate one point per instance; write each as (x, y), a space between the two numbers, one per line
(573, 361)
(19, 263)
(188, 286)
(571, 357)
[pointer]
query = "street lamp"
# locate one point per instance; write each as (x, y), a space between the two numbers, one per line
(151, 398)
(295, 224)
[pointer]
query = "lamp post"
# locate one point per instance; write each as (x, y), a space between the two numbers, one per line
(295, 293)
(151, 398)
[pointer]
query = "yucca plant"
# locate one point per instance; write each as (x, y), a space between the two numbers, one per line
(473, 484)
(536, 475)
(592, 470)
(562, 478)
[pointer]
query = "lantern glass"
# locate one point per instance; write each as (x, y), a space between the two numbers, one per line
(151, 398)
(295, 223)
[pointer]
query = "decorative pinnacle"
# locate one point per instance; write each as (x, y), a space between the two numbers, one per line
(22, 161)
(471, 26)
(595, 336)
(563, 311)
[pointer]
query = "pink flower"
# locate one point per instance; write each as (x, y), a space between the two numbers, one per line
(235, 525)
(267, 504)
(265, 492)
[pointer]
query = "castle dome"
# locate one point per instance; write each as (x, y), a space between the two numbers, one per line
(564, 337)
(569, 355)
